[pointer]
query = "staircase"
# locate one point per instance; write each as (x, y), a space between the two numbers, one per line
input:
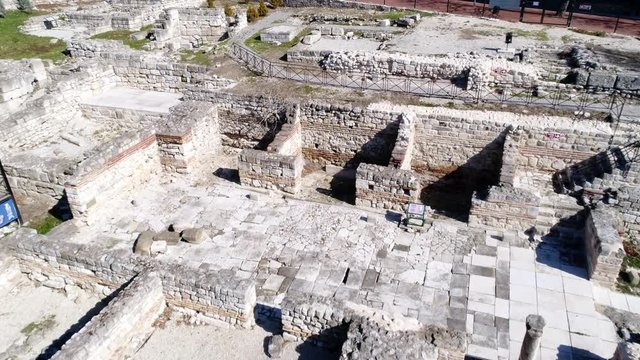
(601, 171)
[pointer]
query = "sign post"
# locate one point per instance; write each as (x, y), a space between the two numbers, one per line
(9, 211)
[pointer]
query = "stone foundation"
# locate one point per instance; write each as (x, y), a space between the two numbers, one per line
(603, 247)
(120, 329)
(386, 187)
(505, 207)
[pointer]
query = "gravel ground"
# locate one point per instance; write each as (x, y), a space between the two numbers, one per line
(453, 33)
(32, 318)
(179, 341)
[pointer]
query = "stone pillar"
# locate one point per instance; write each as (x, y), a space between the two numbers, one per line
(531, 342)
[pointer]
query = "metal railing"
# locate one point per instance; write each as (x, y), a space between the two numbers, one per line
(557, 98)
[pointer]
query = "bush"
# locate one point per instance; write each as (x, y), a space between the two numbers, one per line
(211, 4)
(252, 13)
(277, 3)
(262, 9)
(25, 5)
(228, 10)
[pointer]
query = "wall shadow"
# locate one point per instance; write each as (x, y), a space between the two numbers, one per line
(57, 344)
(563, 246)
(228, 174)
(325, 346)
(451, 194)
(570, 352)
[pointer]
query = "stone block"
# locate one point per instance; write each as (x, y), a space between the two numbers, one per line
(143, 243)
(140, 35)
(311, 38)
(628, 82)
(171, 237)
(384, 22)
(158, 247)
(601, 80)
(194, 236)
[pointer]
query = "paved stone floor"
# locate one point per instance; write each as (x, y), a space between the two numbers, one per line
(135, 99)
(448, 274)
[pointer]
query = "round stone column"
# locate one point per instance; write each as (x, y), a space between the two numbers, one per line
(531, 342)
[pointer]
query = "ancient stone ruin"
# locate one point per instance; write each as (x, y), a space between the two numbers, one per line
(315, 181)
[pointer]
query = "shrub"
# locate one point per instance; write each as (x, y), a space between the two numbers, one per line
(252, 13)
(228, 10)
(211, 4)
(277, 3)
(262, 9)
(25, 5)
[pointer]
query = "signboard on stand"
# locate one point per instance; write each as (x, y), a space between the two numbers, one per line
(8, 212)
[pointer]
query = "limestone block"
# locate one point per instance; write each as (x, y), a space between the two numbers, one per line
(158, 247)
(628, 82)
(194, 236)
(384, 22)
(143, 244)
(171, 237)
(601, 79)
(311, 38)
(140, 35)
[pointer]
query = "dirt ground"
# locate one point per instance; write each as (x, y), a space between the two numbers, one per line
(33, 318)
(177, 340)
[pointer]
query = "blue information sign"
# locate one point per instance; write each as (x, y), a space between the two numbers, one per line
(8, 212)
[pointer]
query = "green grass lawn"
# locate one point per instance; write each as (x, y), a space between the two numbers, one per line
(258, 46)
(124, 36)
(195, 57)
(16, 45)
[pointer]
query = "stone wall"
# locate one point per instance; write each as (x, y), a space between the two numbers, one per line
(121, 328)
(126, 162)
(139, 70)
(402, 152)
(386, 187)
(505, 207)
(267, 170)
(472, 68)
(219, 297)
(190, 133)
(603, 247)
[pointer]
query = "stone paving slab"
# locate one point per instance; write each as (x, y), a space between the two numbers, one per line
(135, 99)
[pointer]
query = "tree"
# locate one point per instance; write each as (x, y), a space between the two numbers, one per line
(252, 13)
(211, 4)
(262, 9)
(2, 10)
(25, 5)
(277, 3)
(228, 10)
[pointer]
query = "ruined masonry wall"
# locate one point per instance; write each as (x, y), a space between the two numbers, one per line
(121, 328)
(603, 247)
(386, 187)
(505, 207)
(210, 24)
(219, 296)
(267, 170)
(136, 70)
(122, 119)
(128, 161)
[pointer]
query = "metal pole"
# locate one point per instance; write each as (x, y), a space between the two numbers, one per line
(448, 1)
(483, 5)
(521, 10)
(542, 17)
(570, 17)
(617, 22)
(6, 182)
(415, 4)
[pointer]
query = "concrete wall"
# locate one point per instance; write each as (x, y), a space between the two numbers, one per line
(121, 328)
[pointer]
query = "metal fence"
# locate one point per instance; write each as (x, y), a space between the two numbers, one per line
(557, 98)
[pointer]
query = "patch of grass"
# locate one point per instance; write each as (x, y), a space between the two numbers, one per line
(308, 89)
(397, 15)
(195, 57)
(258, 46)
(45, 224)
(588, 32)
(124, 36)
(16, 45)
(567, 39)
(279, 21)
(46, 323)
(540, 35)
